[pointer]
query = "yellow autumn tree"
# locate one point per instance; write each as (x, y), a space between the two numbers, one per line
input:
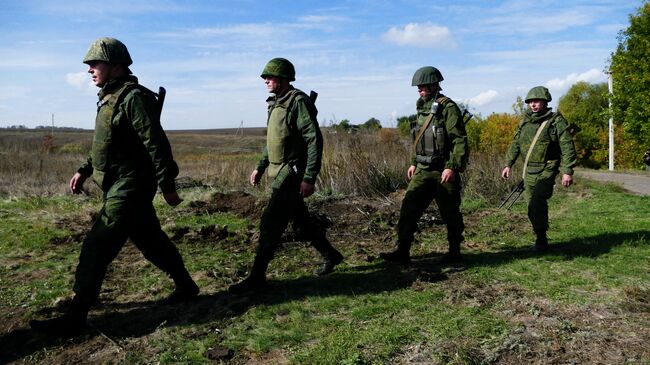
(497, 132)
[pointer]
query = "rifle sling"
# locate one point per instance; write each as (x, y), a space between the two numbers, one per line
(423, 129)
(532, 145)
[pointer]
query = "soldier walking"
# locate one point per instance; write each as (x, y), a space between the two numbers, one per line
(292, 157)
(130, 157)
(440, 155)
(546, 144)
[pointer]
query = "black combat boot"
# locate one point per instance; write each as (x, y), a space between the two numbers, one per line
(400, 256)
(186, 289)
(541, 241)
(70, 324)
(453, 256)
(256, 280)
(251, 283)
(331, 260)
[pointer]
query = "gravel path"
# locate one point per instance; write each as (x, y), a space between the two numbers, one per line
(637, 183)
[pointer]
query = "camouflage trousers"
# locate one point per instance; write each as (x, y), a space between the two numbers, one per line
(285, 205)
(121, 218)
(424, 187)
(539, 189)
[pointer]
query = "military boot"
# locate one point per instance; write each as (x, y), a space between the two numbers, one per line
(256, 280)
(400, 256)
(541, 241)
(186, 289)
(70, 324)
(453, 256)
(331, 260)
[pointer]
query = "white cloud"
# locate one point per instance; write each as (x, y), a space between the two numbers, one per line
(425, 35)
(591, 76)
(483, 98)
(77, 79)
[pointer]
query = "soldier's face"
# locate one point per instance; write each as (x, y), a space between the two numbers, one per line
(426, 91)
(274, 84)
(101, 72)
(536, 105)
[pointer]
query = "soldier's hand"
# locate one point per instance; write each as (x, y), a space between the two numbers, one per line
(505, 173)
(448, 175)
(255, 177)
(410, 172)
(567, 180)
(306, 189)
(77, 183)
(172, 198)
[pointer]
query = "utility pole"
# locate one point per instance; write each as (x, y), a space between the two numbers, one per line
(611, 121)
(52, 134)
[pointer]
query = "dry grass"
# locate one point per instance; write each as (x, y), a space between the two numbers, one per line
(363, 164)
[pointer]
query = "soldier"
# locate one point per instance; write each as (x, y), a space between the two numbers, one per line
(440, 155)
(130, 157)
(543, 138)
(292, 157)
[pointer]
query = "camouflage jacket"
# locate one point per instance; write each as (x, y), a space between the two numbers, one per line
(131, 153)
(303, 142)
(554, 148)
(448, 117)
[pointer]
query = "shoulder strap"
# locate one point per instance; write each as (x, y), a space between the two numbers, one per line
(533, 143)
(423, 129)
(443, 100)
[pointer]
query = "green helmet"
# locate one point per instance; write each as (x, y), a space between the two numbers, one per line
(426, 75)
(538, 92)
(108, 50)
(279, 67)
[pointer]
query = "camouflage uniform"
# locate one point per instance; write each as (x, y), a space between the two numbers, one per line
(130, 157)
(554, 152)
(292, 155)
(442, 146)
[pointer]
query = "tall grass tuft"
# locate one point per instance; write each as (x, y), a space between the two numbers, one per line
(366, 164)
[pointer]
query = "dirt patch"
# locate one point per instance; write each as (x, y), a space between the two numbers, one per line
(550, 333)
(237, 202)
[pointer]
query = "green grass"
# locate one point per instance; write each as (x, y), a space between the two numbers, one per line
(365, 312)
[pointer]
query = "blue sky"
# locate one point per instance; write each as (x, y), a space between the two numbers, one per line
(358, 55)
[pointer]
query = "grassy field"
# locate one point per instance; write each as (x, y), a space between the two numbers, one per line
(586, 301)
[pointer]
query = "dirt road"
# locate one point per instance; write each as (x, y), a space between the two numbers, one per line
(637, 183)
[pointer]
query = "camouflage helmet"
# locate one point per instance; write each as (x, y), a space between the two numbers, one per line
(108, 50)
(426, 75)
(279, 67)
(538, 93)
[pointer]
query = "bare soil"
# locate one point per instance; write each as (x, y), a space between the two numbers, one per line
(545, 332)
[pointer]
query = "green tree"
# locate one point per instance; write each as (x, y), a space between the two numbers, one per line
(343, 126)
(371, 124)
(587, 106)
(404, 124)
(631, 72)
(519, 107)
(474, 128)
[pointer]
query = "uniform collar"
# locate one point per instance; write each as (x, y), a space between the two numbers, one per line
(114, 84)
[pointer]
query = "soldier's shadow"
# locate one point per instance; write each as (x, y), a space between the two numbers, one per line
(590, 246)
(118, 321)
